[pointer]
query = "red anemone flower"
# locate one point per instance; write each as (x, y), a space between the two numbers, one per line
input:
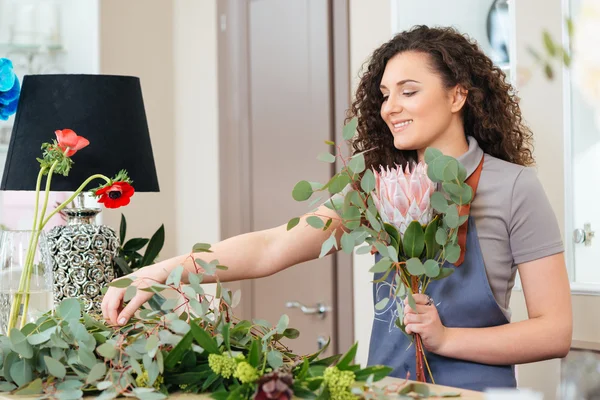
(116, 195)
(68, 139)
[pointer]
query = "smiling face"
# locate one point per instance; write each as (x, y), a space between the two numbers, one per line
(419, 110)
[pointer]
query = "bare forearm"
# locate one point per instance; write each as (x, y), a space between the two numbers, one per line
(516, 343)
(243, 255)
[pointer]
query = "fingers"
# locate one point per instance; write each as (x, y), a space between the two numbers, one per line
(111, 302)
(139, 299)
(414, 328)
(421, 298)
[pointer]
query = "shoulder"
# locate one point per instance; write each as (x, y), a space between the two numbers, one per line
(504, 179)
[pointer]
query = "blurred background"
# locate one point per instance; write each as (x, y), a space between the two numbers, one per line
(239, 96)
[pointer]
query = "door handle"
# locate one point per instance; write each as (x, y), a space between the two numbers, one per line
(584, 235)
(321, 309)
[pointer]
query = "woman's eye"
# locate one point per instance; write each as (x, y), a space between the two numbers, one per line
(385, 97)
(408, 94)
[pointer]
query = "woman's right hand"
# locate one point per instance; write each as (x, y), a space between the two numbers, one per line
(112, 303)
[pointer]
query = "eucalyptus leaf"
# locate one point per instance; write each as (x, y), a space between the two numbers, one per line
(352, 217)
(441, 236)
(104, 385)
(364, 250)
(452, 253)
(326, 157)
(382, 249)
(121, 283)
(327, 245)
(32, 388)
(21, 372)
(431, 154)
(367, 182)
(86, 357)
(7, 387)
(411, 300)
(69, 309)
(357, 163)
(439, 202)
(373, 221)
(349, 129)
(97, 372)
(107, 350)
(292, 223)
(451, 170)
(451, 217)
(381, 266)
(179, 326)
(283, 323)
(415, 266)
(432, 268)
(315, 222)
(275, 359)
(19, 344)
(201, 248)
(347, 242)
(302, 191)
(338, 183)
(174, 277)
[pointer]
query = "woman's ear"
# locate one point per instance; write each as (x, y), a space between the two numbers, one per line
(458, 97)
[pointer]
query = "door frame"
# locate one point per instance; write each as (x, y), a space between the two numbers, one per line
(234, 143)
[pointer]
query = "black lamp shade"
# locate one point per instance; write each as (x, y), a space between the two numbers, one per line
(107, 110)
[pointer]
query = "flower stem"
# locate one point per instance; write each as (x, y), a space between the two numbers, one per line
(16, 304)
(37, 234)
(75, 194)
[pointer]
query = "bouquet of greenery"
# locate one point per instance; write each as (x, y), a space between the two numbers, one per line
(192, 343)
(399, 213)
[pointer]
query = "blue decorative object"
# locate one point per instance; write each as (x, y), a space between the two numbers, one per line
(9, 89)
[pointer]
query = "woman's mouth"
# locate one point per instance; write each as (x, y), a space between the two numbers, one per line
(400, 126)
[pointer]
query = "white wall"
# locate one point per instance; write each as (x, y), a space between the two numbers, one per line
(172, 47)
(196, 123)
(140, 44)
(370, 26)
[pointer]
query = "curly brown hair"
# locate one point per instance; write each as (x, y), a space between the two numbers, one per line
(491, 113)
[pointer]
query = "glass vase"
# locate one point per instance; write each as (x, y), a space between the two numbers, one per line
(26, 279)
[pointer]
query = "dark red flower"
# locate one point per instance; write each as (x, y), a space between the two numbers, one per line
(276, 385)
(116, 195)
(68, 139)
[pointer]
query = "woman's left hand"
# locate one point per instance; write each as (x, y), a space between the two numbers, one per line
(425, 321)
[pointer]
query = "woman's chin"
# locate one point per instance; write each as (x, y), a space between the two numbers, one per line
(404, 142)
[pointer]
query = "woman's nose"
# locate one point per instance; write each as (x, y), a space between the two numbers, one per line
(392, 105)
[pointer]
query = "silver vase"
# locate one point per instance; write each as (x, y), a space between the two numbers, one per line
(83, 255)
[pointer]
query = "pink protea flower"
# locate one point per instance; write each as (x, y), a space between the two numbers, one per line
(404, 196)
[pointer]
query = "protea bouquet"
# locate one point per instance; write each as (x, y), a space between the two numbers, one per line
(400, 213)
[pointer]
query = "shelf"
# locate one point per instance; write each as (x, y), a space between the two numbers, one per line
(30, 48)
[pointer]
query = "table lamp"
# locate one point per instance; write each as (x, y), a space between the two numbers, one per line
(108, 111)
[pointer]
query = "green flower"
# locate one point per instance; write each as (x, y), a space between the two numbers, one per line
(245, 372)
(339, 383)
(144, 380)
(222, 365)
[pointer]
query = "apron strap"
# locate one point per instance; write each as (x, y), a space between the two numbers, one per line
(472, 181)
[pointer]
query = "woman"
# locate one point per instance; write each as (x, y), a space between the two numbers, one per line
(434, 88)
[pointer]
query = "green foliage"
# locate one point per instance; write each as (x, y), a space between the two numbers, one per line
(553, 52)
(412, 254)
(69, 354)
(129, 257)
